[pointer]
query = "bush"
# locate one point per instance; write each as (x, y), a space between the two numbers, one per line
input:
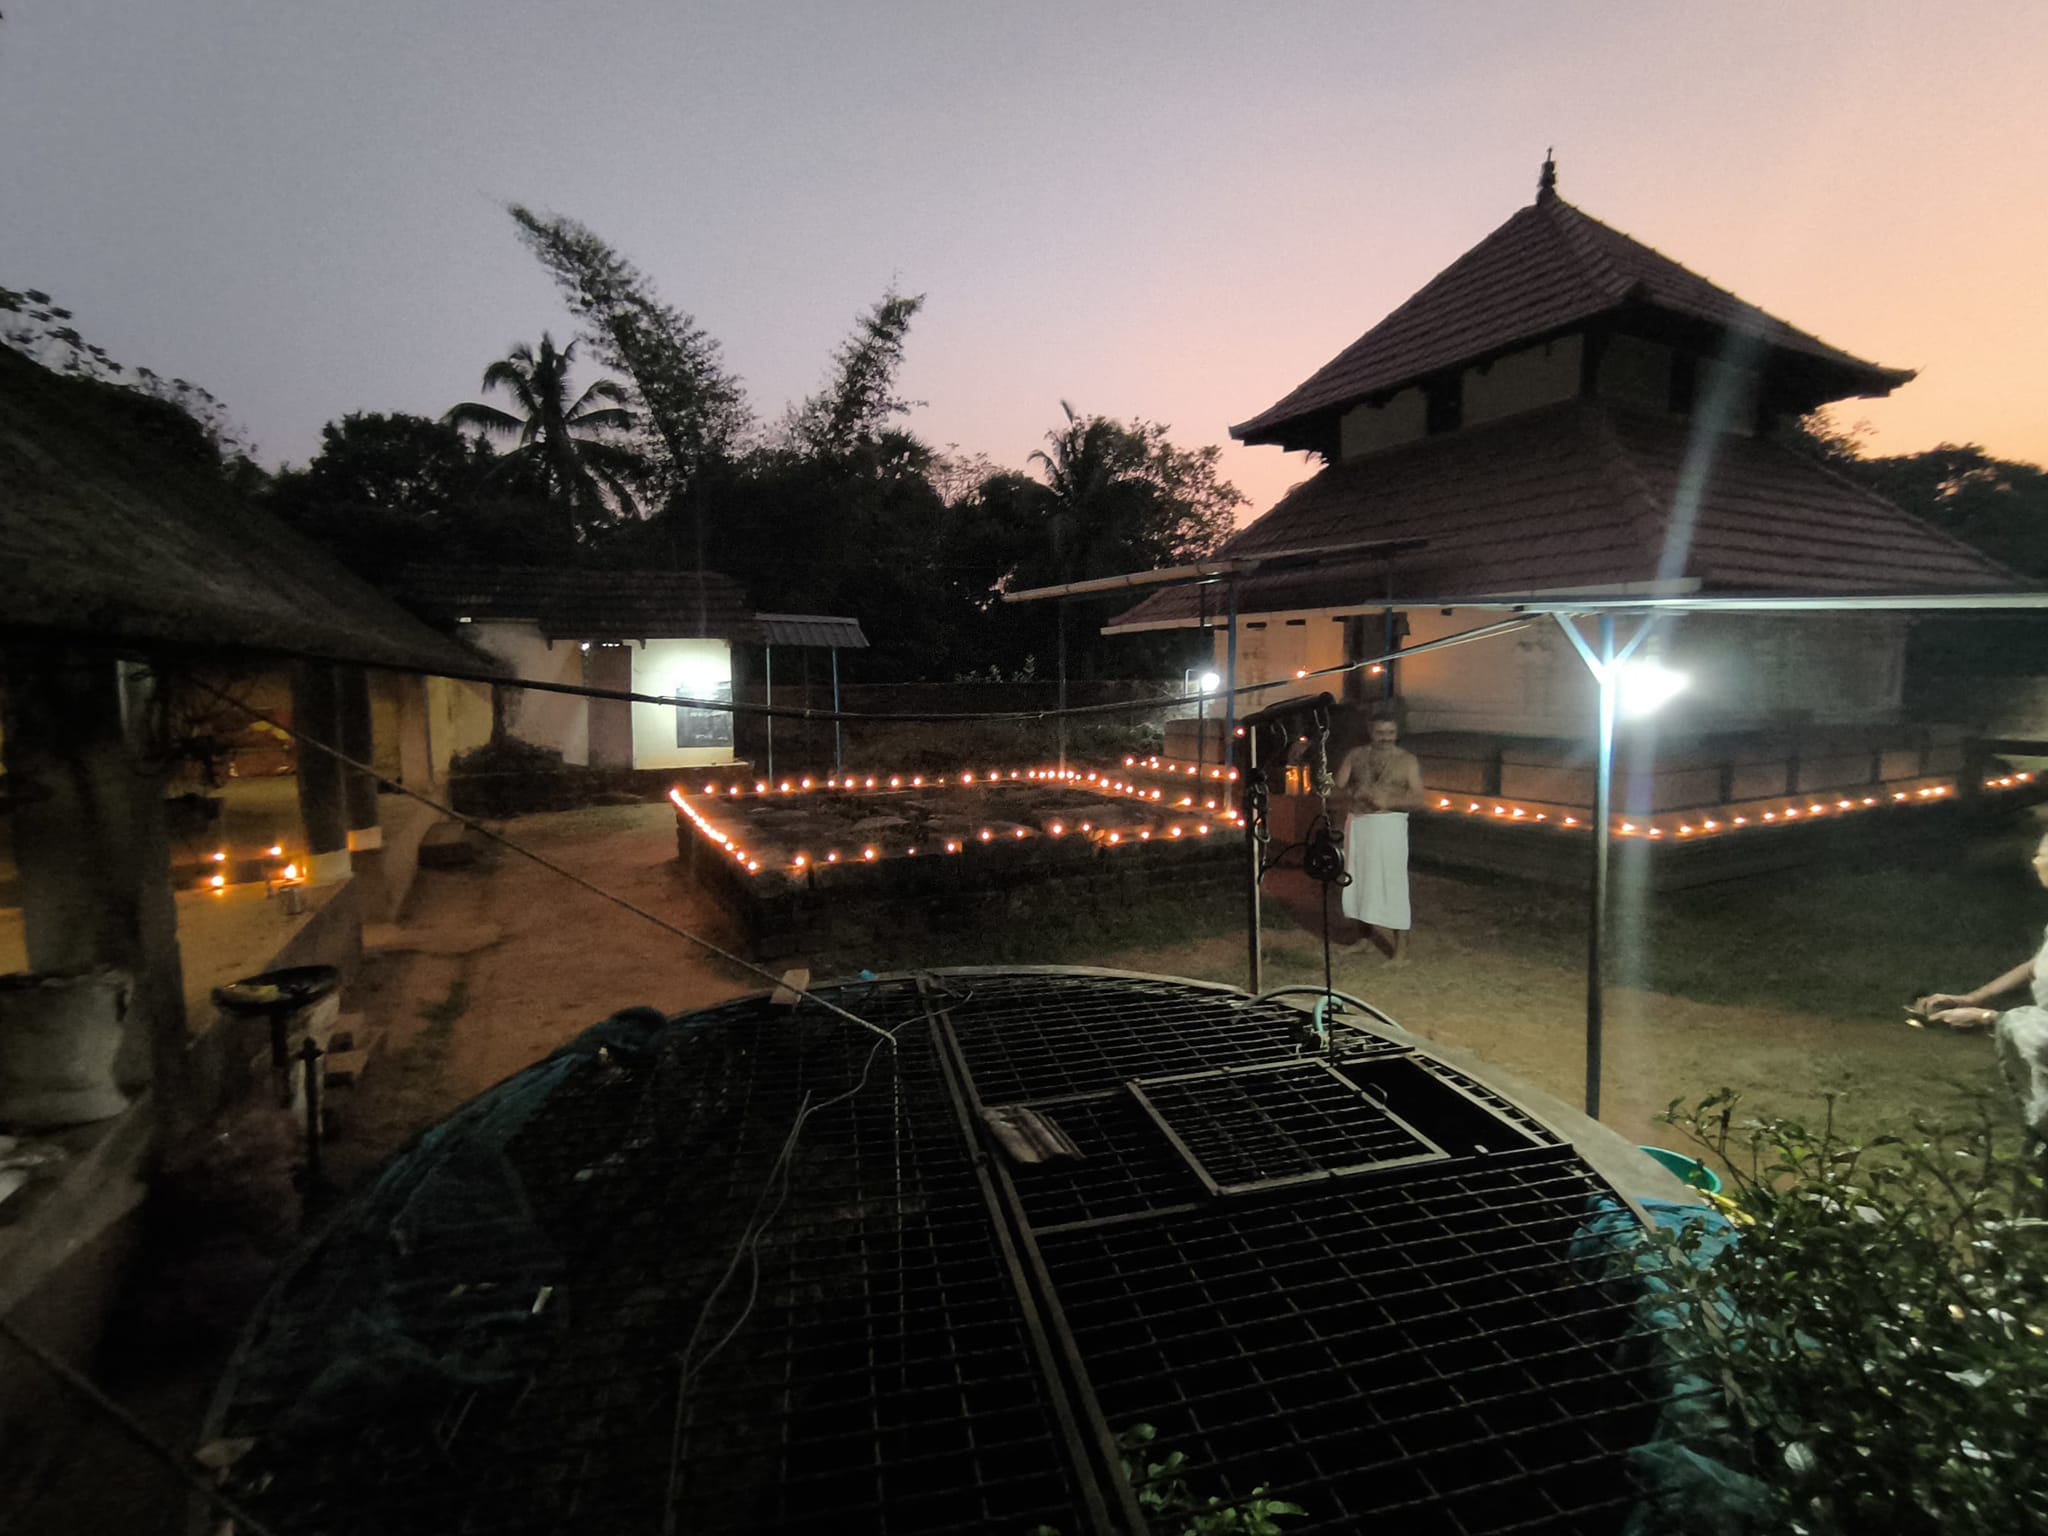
(512, 778)
(1873, 1337)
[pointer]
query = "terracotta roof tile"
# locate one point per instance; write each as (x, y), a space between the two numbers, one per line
(1547, 269)
(570, 604)
(1578, 496)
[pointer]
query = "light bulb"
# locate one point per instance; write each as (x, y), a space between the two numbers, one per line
(1647, 685)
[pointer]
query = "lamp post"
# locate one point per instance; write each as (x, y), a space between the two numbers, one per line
(1648, 685)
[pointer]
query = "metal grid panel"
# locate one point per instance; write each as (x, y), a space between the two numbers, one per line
(1283, 1124)
(1034, 1037)
(1416, 1350)
(1126, 1169)
(881, 1376)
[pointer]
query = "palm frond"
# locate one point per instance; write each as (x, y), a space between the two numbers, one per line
(607, 418)
(486, 418)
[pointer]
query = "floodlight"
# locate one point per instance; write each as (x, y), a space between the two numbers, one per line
(1647, 685)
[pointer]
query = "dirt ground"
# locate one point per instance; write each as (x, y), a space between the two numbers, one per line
(1782, 991)
(497, 964)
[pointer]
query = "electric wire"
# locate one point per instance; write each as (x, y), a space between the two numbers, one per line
(689, 1365)
(567, 874)
(936, 717)
(189, 1473)
(777, 1182)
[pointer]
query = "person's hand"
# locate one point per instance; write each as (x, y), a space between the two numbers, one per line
(1934, 1002)
(1965, 1018)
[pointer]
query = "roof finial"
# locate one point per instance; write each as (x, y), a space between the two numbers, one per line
(1546, 184)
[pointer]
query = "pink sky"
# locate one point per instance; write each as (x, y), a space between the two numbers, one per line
(1169, 210)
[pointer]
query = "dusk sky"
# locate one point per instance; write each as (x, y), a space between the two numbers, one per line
(1170, 211)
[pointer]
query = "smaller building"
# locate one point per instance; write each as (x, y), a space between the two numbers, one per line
(670, 633)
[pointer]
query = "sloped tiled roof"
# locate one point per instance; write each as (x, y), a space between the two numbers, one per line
(1548, 269)
(821, 630)
(1578, 496)
(571, 604)
(116, 525)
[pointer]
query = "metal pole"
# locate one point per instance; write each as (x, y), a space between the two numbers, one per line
(1202, 692)
(1387, 668)
(1252, 802)
(1230, 686)
(768, 698)
(838, 757)
(281, 1055)
(1596, 928)
(1060, 623)
(309, 1057)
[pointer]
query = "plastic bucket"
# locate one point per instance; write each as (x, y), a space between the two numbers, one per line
(1690, 1169)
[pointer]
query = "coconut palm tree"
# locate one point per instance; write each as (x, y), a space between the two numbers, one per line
(564, 444)
(1101, 495)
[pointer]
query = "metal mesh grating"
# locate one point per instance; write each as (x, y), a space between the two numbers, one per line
(1034, 1037)
(1418, 1351)
(927, 1339)
(1126, 1168)
(1285, 1124)
(884, 1378)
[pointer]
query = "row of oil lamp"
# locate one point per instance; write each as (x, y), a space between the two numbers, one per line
(276, 874)
(1509, 812)
(1506, 812)
(1088, 780)
(868, 854)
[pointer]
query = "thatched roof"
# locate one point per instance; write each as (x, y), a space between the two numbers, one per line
(116, 526)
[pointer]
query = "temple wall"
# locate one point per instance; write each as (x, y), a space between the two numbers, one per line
(1521, 381)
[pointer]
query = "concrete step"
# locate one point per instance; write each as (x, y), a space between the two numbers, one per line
(355, 1041)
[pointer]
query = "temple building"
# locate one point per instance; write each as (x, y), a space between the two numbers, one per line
(1564, 410)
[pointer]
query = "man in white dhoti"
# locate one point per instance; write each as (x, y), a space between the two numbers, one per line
(1378, 784)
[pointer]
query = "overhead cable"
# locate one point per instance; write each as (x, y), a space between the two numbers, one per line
(546, 863)
(934, 717)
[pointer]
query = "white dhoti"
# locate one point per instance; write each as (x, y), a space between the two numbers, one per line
(2022, 1035)
(1376, 858)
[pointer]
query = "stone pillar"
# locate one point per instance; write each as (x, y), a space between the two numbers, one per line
(415, 734)
(359, 742)
(323, 798)
(92, 847)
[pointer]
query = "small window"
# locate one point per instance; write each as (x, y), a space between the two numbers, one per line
(705, 727)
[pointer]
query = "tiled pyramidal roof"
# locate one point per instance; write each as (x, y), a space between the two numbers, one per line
(1576, 496)
(1550, 268)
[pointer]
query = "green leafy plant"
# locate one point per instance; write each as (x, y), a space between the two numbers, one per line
(1868, 1353)
(1172, 1508)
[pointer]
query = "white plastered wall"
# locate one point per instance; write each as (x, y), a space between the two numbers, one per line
(1746, 669)
(555, 720)
(691, 667)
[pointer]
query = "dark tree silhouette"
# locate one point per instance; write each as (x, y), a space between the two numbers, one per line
(564, 443)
